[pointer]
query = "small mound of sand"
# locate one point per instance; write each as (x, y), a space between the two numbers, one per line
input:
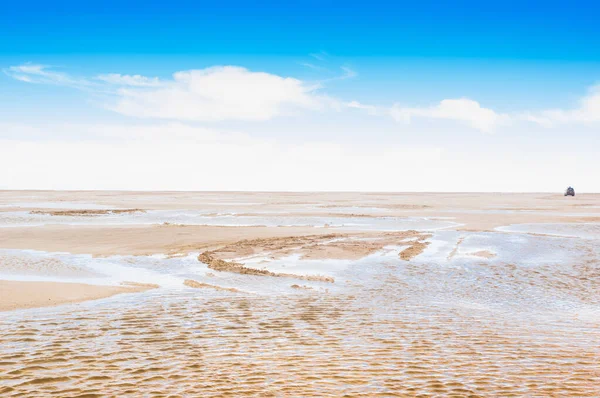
(86, 213)
(483, 253)
(145, 286)
(414, 250)
(405, 206)
(217, 264)
(301, 287)
(170, 224)
(327, 246)
(200, 285)
(455, 249)
(310, 247)
(352, 215)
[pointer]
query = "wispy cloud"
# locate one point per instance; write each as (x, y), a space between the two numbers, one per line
(370, 109)
(587, 111)
(321, 59)
(461, 109)
(314, 67)
(321, 55)
(42, 74)
(348, 73)
(129, 80)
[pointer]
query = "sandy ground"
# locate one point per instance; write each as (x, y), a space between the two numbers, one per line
(135, 240)
(339, 246)
(473, 212)
(428, 299)
(18, 294)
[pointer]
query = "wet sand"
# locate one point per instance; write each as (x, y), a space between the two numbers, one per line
(19, 294)
(299, 294)
(470, 212)
(135, 239)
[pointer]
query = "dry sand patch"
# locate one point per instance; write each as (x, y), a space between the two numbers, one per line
(19, 295)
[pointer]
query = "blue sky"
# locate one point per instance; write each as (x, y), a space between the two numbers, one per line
(510, 84)
(473, 29)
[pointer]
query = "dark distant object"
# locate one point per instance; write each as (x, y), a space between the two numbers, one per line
(570, 192)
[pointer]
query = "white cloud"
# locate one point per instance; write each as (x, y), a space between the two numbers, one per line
(321, 55)
(129, 80)
(314, 67)
(219, 93)
(234, 93)
(587, 112)
(41, 74)
(23, 78)
(461, 109)
(32, 69)
(211, 94)
(348, 73)
(371, 109)
(321, 63)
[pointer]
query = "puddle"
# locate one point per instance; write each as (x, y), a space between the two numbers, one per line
(580, 230)
(189, 217)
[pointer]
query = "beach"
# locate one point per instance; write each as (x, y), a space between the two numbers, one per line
(299, 294)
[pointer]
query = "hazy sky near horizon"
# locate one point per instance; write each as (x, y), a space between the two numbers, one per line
(311, 95)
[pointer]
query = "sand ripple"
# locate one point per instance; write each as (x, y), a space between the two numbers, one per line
(397, 330)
